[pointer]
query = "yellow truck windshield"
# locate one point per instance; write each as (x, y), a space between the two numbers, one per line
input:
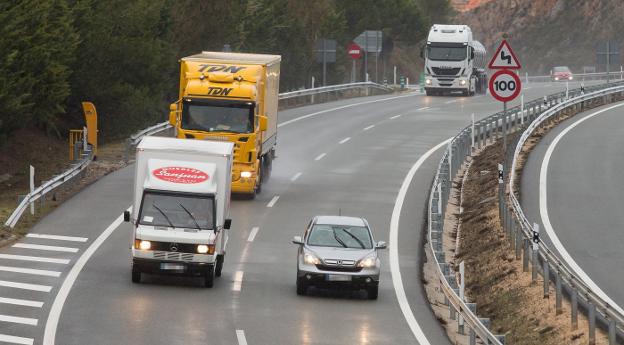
(233, 117)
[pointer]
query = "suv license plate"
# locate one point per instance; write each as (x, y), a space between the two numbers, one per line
(338, 278)
(171, 267)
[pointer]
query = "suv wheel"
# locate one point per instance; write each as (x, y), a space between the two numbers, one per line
(302, 287)
(373, 291)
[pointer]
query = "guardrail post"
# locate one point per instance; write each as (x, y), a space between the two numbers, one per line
(612, 337)
(500, 338)
(574, 308)
(592, 323)
(525, 259)
(473, 337)
(558, 294)
(546, 279)
(534, 267)
(518, 241)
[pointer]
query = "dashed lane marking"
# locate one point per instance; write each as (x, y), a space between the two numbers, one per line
(253, 233)
(58, 237)
(296, 176)
(30, 271)
(24, 286)
(34, 258)
(16, 319)
(319, 157)
(48, 248)
(273, 201)
(22, 302)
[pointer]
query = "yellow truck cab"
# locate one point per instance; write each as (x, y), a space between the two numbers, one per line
(232, 97)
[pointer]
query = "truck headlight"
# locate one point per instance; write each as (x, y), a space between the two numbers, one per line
(570, 78)
(428, 81)
(206, 249)
(311, 259)
(246, 174)
(368, 262)
(462, 82)
(142, 245)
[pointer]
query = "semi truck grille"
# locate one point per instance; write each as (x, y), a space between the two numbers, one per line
(445, 71)
(177, 256)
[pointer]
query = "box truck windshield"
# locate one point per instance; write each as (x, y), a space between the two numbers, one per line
(177, 210)
(447, 52)
(233, 117)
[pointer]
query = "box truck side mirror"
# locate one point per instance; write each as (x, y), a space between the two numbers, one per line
(126, 216)
(227, 224)
(173, 114)
(264, 123)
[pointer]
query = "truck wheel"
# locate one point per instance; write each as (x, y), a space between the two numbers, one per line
(373, 291)
(219, 268)
(209, 278)
(302, 287)
(136, 276)
(267, 165)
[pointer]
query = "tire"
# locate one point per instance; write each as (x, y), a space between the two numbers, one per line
(267, 165)
(302, 287)
(209, 277)
(428, 93)
(219, 267)
(373, 291)
(258, 189)
(136, 277)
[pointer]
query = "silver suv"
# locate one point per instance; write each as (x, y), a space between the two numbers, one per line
(338, 251)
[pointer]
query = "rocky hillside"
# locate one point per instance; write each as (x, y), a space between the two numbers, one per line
(546, 33)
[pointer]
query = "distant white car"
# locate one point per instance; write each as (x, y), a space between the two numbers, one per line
(338, 251)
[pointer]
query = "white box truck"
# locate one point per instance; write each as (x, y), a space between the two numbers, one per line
(180, 213)
(454, 61)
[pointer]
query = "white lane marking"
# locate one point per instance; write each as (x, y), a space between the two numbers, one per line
(423, 108)
(369, 127)
(451, 101)
(395, 269)
(319, 157)
(16, 319)
(543, 200)
(273, 201)
(16, 340)
(240, 335)
(253, 233)
(42, 247)
(57, 237)
(30, 271)
(22, 302)
(296, 176)
(238, 281)
(24, 286)
(49, 335)
(395, 117)
(34, 258)
(341, 107)
(344, 140)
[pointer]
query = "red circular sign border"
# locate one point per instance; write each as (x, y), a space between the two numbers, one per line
(514, 76)
(181, 180)
(351, 47)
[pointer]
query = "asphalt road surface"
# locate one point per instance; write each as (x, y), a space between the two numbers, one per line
(349, 156)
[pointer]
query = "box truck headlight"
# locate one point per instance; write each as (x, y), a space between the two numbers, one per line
(246, 174)
(570, 78)
(428, 81)
(462, 82)
(205, 249)
(556, 78)
(141, 244)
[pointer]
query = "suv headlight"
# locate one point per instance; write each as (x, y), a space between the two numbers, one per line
(368, 262)
(311, 259)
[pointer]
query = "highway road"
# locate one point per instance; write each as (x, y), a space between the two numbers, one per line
(350, 156)
(571, 186)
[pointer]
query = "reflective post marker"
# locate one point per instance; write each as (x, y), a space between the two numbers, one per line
(32, 187)
(462, 287)
(473, 131)
(522, 109)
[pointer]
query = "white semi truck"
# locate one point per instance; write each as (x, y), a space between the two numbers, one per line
(454, 61)
(180, 213)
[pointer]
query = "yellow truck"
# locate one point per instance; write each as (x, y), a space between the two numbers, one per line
(232, 97)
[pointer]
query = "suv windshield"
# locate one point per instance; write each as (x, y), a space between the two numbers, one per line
(447, 53)
(234, 117)
(342, 236)
(561, 69)
(177, 211)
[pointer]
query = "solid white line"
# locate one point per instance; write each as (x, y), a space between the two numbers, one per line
(16, 340)
(48, 248)
(252, 235)
(273, 201)
(55, 312)
(395, 117)
(395, 269)
(319, 157)
(342, 107)
(34, 258)
(423, 108)
(22, 320)
(240, 335)
(344, 140)
(24, 286)
(543, 200)
(296, 176)
(23, 302)
(238, 281)
(369, 127)
(30, 271)
(58, 237)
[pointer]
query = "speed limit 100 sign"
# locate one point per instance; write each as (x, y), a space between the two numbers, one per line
(505, 85)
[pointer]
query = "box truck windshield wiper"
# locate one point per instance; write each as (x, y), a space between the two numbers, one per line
(190, 215)
(164, 215)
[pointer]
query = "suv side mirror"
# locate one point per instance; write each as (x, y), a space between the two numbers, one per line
(227, 224)
(173, 114)
(126, 216)
(297, 240)
(264, 123)
(380, 245)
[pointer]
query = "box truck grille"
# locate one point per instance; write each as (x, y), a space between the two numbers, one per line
(445, 71)
(176, 256)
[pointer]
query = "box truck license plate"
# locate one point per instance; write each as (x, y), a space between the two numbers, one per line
(171, 267)
(338, 278)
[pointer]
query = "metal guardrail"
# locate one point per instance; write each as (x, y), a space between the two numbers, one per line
(615, 75)
(486, 131)
(47, 187)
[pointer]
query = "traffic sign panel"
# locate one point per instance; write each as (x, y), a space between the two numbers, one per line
(504, 58)
(505, 85)
(354, 51)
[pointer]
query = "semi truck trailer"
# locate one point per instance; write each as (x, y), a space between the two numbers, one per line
(454, 61)
(232, 97)
(180, 212)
